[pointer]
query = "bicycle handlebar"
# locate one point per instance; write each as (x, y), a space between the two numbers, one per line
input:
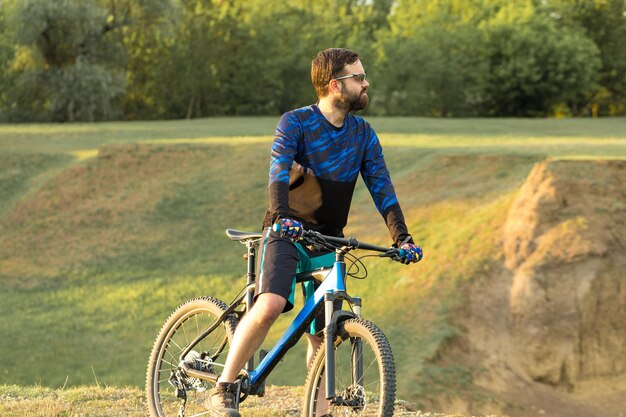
(352, 243)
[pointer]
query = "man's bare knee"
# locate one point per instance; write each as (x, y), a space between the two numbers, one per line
(268, 307)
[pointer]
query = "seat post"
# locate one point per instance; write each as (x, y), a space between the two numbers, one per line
(250, 279)
(251, 273)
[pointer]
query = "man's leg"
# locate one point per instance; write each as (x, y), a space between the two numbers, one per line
(248, 337)
(251, 332)
(276, 270)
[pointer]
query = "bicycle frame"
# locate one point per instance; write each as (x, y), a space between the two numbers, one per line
(332, 288)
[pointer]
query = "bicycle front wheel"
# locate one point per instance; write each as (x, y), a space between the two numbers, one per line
(365, 375)
(171, 392)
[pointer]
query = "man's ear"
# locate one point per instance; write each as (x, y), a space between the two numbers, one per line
(334, 86)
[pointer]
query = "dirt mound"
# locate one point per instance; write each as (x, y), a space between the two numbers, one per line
(565, 242)
(550, 325)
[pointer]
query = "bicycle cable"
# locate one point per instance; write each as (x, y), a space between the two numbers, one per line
(361, 270)
(318, 242)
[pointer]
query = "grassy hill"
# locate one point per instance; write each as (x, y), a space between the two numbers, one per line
(106, 228)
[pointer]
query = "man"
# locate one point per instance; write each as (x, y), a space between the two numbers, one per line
(317, 155)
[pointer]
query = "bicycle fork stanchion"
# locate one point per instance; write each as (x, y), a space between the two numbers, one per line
(329, 340)
(356, 305)
(357, 349)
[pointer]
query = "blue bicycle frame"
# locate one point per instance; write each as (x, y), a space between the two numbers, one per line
(331, 289)
(333, 286)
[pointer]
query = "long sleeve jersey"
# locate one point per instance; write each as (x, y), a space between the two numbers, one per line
(314, 168)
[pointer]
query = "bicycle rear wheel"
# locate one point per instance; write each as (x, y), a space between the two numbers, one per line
(365, 375)
(168, 389)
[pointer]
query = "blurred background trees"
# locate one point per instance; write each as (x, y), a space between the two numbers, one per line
(85, 60)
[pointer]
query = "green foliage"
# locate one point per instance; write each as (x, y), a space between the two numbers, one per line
(66, 70)
(604, 22)
(73, 60)
(249, 57)
(227, 66)
(536, 65)
(448, 58)
(435, 68)
(6, 56)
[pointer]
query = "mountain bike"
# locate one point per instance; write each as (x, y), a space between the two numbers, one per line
(354, 377)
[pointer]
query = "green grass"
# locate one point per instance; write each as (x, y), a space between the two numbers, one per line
(92, 401)
(101, 401)
(20, 173)
(81, 137)
(96, 249)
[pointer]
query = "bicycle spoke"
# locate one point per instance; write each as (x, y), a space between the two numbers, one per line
(189, 322)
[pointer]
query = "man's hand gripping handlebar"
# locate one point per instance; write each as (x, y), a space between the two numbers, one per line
(409, 253)
(289, 228)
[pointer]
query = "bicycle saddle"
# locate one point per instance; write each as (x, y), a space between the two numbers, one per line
(238, 235)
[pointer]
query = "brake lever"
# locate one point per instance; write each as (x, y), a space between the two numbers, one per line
(314, 239)
(391, 253)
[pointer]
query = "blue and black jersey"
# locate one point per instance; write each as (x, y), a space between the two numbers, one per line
(314, 168)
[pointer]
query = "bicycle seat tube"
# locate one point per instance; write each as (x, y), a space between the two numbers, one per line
(251, 246)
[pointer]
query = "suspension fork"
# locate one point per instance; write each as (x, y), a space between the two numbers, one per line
(333, 317)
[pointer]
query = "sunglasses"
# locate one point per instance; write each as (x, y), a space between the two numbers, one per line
(358, 77)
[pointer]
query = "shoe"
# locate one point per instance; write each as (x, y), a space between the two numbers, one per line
(222, 400)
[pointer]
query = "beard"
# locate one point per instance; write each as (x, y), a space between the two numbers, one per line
(360, 102)
(353, 102)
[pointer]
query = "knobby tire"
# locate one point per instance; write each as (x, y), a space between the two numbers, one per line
(186, 322)
(375, 393)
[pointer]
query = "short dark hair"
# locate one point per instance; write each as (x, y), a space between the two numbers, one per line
(327, 65)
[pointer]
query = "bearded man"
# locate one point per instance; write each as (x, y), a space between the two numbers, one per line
(316, 157)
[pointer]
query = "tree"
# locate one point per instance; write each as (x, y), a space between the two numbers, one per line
(63, 69)
(431, 62)
(70, 60)
(537, 65)
(6, 57)
(603, 22)
(217, 60)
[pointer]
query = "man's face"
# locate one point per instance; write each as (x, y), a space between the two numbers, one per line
(353, 91)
